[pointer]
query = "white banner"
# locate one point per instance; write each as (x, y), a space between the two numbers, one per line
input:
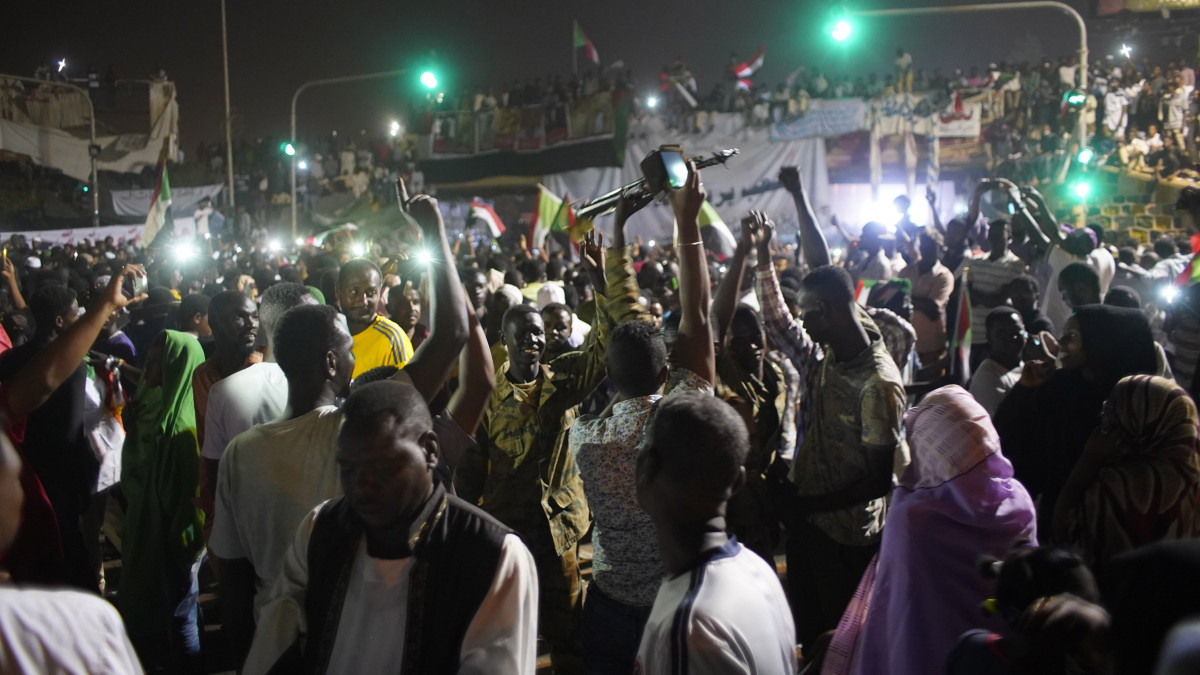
(183, 200)
(119, 233)
(896, 114)
(747, 181)
(127, 153)
(824, 119)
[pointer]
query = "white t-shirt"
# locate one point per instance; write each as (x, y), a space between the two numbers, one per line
(1052, 301)
(271, 477)
(62, 631)
(255, 395)
(501, 640)
(728, 615)
(1105, 265)
(990, 276)
(991, 383)
(1066, 75)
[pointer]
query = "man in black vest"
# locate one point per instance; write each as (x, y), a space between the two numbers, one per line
(398, 576)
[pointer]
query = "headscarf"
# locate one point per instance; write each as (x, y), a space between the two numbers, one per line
(1117, 341)
(1151, 489)
(512, 294)
(957, 501)
(160, 477)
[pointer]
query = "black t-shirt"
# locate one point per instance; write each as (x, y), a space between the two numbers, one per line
(54, 444)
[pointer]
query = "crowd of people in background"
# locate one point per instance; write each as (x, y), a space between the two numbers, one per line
(388, 452)
(1141, 116)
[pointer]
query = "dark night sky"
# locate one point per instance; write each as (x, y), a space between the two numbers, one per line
(276, 45)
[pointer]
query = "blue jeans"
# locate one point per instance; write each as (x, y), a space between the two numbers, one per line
(611, 632)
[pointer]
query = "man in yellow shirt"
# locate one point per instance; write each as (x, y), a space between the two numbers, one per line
(377, 340)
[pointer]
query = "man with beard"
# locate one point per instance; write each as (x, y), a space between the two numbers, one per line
(233, 318)
(378, 341)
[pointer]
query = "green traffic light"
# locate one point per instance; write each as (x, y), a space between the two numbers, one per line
(1076, 98)
(288, 149)
(429, 79)
(1082, 189)
(842, 30)
(1085, 156)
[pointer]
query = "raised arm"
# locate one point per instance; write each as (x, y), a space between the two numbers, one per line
(626, 207)
(812, 241)
(1047, 224)
(476, 378)
(977, 200)
(1022, 209)
(435, 357)
(32, 385)
(10, 279)
(726, 300)
(579, 372)
(931, 197)
(783, 330)
(694, 348)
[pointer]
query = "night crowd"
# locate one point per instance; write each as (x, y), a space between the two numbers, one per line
(965, 447)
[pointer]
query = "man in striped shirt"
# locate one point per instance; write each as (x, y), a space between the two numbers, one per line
(988, 279)
(377, 341)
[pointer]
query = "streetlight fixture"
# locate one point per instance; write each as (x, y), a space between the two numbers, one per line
(842, 30)
(427, 78)
(651, 102)
(1126, 50)
(228, 114)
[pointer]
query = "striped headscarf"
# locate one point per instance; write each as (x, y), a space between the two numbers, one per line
(1150, 490)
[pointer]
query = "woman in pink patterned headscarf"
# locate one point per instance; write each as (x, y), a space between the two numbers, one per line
(957, 501)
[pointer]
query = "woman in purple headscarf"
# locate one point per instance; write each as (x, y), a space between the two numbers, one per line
(957, 501)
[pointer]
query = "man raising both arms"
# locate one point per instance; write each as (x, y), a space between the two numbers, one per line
(522, 472)
(852, 401)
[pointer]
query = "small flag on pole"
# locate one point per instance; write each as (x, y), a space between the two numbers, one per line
(158, 219)
(485, 213)
(553, 213)
(960, 338)
(589, 49)
(743, 71)
(721, 242)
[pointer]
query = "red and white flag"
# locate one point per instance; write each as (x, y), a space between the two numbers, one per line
(751, 66)
(487, 214)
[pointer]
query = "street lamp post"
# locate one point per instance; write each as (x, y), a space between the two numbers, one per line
(228, 116)
(317, 83)
(1033, 4)
(93, 149)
